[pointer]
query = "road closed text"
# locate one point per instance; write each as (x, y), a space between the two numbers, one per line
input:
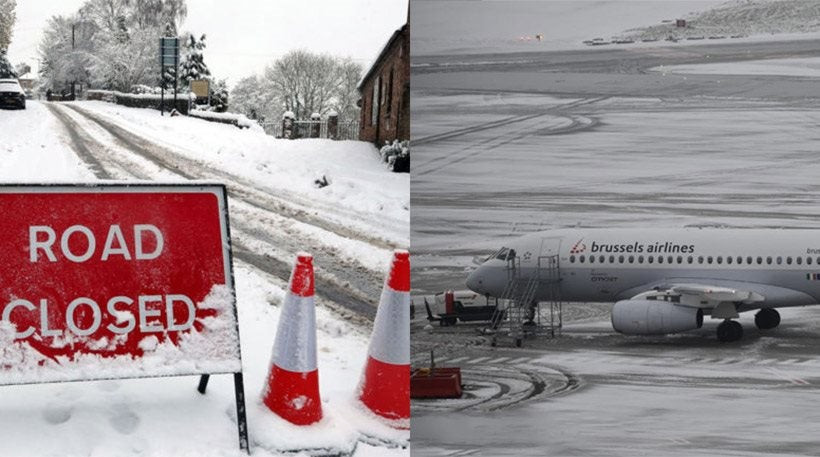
(87, 315)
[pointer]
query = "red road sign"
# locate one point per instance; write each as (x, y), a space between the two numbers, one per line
(115, 281)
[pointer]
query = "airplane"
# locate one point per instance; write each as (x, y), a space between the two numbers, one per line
(665, 281)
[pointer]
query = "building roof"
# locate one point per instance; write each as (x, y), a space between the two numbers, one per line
(377, 63)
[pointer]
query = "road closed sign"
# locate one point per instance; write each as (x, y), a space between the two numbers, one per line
(115, 281)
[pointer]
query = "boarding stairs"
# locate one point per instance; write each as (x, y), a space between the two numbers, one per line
(522, 317)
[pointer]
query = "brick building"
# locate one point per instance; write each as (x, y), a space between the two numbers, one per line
(385, 92)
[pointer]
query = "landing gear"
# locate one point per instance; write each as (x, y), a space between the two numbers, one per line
(767, 318)
(729, 331)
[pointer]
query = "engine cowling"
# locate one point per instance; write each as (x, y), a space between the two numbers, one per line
(654, 317)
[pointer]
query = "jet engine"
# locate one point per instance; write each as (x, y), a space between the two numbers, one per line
(654, 317)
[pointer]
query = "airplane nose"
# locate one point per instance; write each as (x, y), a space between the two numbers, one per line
(475, 281)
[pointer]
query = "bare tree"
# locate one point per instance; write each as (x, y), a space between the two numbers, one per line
(307, 83)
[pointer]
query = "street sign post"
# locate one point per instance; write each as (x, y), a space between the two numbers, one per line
(115, 281)
(168, 59)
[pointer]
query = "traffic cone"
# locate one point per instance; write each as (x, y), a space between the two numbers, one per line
(385, 386)
(292, 390)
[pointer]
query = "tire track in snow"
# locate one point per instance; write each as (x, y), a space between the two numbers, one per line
(346, 299)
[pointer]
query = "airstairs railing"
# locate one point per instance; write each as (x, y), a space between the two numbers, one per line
(522, 316)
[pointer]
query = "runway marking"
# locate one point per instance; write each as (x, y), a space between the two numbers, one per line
(498, 360)
(458, 359)
(519, 360)
(478, 360)
(785, 376)
(462, 452)
(680, 441)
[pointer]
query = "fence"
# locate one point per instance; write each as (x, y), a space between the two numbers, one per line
(303, 129)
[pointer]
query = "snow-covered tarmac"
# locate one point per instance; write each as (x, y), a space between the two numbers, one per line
(509, 144)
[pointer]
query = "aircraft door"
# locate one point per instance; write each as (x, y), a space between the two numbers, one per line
(550, 249)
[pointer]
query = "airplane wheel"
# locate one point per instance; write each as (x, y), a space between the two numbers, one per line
(729, 331)
(767, 318)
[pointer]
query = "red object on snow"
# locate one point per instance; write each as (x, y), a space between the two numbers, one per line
(292, 390)
(385, 387)
(436, 383)
(449, 302)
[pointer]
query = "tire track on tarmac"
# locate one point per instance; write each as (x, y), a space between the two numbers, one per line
(576, 124)
(106, 161)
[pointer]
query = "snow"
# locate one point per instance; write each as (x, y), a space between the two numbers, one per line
(240, 120)
(359, 182)
(167, 416)
(34, 146)
(563, 24)
(808, 67)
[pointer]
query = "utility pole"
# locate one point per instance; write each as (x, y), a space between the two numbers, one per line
(74, 81)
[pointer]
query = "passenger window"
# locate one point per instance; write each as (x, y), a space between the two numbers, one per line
(700, 259)
(680, 259)
(720, 259)
(689, 259)
(620, 259)
(739, 260)
(612, 259)
(799, 260)
(572, 259)
(728, 260)
(670, 259)
(592, 259)
(808, 260)
(709, 260)
(632, 259)
(768, 260)
(660, 259)
(650, 259)
(601, 259)
(749, 260)
(581, 259)
(640, 259)
(779, 260)
(760, 260)
(789, 260)
(818, 261)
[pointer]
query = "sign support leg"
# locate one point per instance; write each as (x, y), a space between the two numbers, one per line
(241, 419)
(203, 383)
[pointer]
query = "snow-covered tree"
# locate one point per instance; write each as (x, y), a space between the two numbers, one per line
(6, 69)
(301, 82)
(192, 63)
(7, 18)
(115, 44)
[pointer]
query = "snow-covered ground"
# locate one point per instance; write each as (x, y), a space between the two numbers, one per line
(34, 147)
(458, 27)
(808, 67)
(453, 27)
(163, 417)
(359, 184)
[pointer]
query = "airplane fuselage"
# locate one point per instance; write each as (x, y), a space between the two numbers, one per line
(608, 265)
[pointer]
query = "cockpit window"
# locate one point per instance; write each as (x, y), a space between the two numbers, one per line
(500, 254)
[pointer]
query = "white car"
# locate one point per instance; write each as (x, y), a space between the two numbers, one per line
(11, 94)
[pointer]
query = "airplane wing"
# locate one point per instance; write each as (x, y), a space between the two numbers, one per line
(709, 293)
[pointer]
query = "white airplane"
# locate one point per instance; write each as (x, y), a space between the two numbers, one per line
(666, 280)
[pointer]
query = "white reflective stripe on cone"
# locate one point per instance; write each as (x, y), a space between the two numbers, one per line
(390, 342)
(295, 346)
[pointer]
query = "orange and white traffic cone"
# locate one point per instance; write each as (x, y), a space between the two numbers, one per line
(292, 390)
(385, 386)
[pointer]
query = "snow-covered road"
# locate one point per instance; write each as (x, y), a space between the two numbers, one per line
(275, 212)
